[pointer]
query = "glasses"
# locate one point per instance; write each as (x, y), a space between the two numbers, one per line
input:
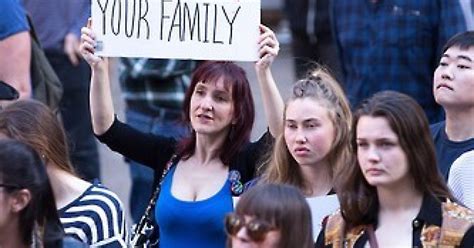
(256, 229)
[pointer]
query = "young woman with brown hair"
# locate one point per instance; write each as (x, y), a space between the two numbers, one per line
(89, 212)
(394, 195)
(270, 216)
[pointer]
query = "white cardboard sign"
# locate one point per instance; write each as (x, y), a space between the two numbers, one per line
(182, 29)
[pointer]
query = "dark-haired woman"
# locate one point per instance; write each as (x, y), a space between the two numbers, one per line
(270, 216)
(28, 216)
(209, 166)
(394, 196)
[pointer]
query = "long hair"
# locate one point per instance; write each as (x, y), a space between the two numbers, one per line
(33, 123)
(282, 206)
(235, 79)
(21, 167)
(321, 86)
(359, 201)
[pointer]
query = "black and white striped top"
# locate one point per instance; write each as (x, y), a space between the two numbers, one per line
(96, 218)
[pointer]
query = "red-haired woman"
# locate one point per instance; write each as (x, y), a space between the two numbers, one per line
(211, 164)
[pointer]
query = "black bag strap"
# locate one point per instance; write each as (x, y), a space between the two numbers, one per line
(32, 30)
(139, 233)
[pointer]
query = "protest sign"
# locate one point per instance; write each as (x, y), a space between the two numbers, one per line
(182, 29)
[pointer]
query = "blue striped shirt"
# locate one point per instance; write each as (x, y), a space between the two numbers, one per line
(96, 218)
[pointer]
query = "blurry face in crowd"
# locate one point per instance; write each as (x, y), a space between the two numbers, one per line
(211, 106)
(9, 206)
(454, 78)
(309, 131)
(4, 208)
(249, 232)
(381, 158)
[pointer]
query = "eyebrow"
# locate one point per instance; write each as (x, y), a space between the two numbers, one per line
(305, 120)
(464, 57)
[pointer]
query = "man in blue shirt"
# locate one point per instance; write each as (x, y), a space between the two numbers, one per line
(393, 45)
(15, 47)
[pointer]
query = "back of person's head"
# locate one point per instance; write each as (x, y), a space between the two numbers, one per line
(33, 123)
(408, 121)
(235, 81)
(464, 41)
(284, 208)
(22, 170)
(324, 89)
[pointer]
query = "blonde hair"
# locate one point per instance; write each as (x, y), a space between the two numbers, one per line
(321, 86)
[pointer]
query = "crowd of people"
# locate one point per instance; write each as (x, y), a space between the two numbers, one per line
(348, 160)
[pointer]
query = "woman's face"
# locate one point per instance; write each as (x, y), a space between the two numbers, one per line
(6, 207)
(381, 157)
(211, 108)
(309, 131)
(243, 237)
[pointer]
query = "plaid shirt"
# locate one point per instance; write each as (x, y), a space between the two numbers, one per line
(154, 84)
(394, 45)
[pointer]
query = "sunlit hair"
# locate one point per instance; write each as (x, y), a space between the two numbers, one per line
(21, 168)
(322, 87)
(33, 123)
(359, 202)
(284, 207)
(235, 80)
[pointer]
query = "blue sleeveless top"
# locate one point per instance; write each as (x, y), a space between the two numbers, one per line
(185, 224)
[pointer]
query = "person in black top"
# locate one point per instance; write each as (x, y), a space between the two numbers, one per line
(219, 109)
(393, 195)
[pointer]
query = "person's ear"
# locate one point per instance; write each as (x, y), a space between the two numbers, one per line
(20, 199)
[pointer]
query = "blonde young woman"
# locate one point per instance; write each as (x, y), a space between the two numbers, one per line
(314, 143)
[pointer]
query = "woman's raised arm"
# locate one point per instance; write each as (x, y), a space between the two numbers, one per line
(101, 104)
(272, 100)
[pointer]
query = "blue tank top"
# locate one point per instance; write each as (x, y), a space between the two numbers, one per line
(185, 224)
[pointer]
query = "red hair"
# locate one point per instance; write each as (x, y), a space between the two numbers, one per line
(235, 78)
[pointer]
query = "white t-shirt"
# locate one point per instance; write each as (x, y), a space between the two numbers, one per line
(461, 179)
(321, 206)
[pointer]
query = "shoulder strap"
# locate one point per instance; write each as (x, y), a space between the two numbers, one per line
(456, 222)
(32, 30)
(139, 236)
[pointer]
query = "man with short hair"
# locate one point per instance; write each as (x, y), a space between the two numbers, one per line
(453, 89)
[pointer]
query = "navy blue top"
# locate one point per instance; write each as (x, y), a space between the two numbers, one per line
(178, 220)
(448, 151)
